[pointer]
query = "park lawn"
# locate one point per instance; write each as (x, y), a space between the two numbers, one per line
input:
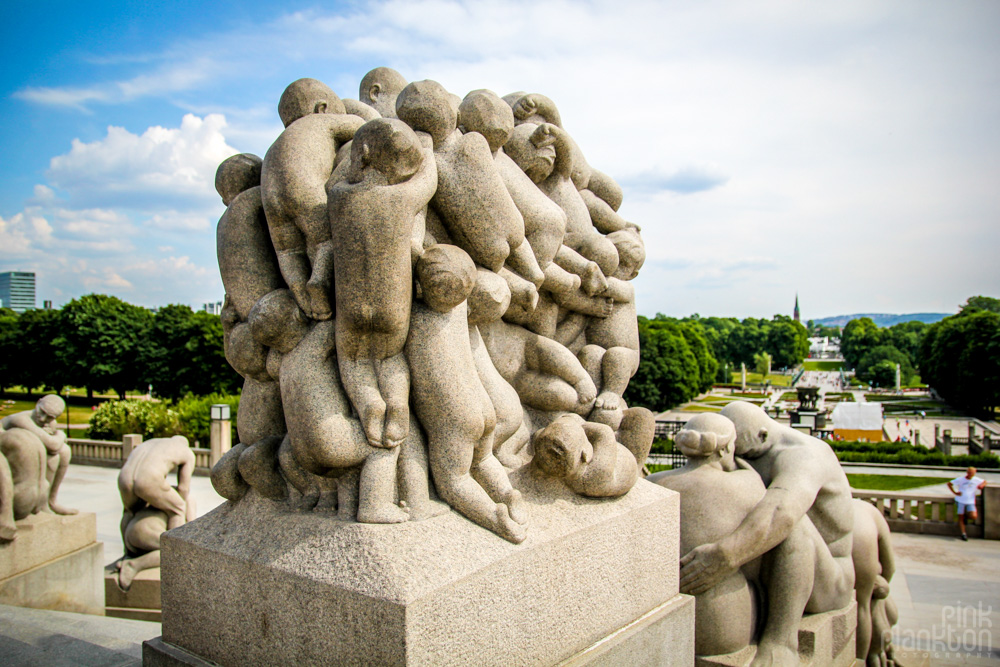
(758, 378)
(892, 482)
(658, 467)
(700, 408)
(818, 365)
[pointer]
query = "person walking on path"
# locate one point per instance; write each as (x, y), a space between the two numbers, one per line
(965, 490)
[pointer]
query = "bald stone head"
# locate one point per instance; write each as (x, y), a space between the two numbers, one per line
(389, 146)
(277, 321)
(427, 107)
(447, 276)
(483, 112)
(237, 174)
(307, 96)
(48, 408)
(753, 428)
(379, 89)
(490, 297)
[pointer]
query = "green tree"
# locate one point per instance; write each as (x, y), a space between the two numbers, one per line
(960, 359)
(37, 359)
(858, 337)
(694, 336)
(987, 303)
(787, 341)
(8, 347)
(100, 341)
(906, 337)
(183, 354)
(668, 371)
(870, 368)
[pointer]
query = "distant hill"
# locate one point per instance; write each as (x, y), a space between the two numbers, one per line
(882, 319)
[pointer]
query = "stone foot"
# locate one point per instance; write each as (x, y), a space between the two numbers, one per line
(59, 509)
(387, 513)
(775, 655)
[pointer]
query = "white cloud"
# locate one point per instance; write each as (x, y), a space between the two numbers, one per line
(174, 221)
(162, 164)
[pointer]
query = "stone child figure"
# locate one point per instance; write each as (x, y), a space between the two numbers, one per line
(587, 457)
(803, 478)
(146, 492)
(451, 402)
(293, 189)
(391, 179)
(23, 437)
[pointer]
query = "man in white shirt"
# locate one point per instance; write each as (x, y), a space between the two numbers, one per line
(965, 489)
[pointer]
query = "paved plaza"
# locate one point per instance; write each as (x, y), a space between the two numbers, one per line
(948, 593)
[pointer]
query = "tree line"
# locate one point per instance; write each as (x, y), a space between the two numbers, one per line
(102, 343)
(959, 357)
(681, 358)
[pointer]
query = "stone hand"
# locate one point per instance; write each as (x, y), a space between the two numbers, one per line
(525, 107)
(544, 135)
(703, 567)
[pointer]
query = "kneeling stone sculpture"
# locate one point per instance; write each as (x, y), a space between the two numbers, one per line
(426, 324)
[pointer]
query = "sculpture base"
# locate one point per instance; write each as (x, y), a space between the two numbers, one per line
(594, 583)
(55, 563)
(141, 602)
(824, 639)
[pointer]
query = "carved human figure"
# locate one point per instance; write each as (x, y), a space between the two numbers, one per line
(17, 431)
(611, 353)
(246, 256)
(546, 375)
(544, 222)
(144, 483)
(487, 303)
(471, 199)
(451, 402)
(592, 183)
(379, 89)
(874, 565)
(726, 614)
(293, 190)
(803, 478)
(587, 457)
(24, 489)
(545, 153)
(391, 179)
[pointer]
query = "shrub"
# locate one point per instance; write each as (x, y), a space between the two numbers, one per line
(903, 453)
(113, 419)
(195, 416)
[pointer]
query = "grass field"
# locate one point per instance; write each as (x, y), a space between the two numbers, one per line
(758, 378)
(892, 482)
(818, 365)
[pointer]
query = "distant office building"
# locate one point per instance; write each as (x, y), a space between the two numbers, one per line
(213, 308)
(17, 290)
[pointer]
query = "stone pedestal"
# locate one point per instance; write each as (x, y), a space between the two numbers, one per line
(142, 600)
(825, 640)
(596, 582)
(55, 563)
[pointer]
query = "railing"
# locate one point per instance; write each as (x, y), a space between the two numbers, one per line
(95, 450)
(113, 454)
(666, 430)
(910, 513)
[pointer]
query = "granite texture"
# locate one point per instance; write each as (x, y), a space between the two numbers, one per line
(416, 248)
(71, 582)
(45, 536)
(335, 591)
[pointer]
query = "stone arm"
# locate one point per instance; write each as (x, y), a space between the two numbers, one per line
(570, 328)
(605, 218)
(53, 440)
(536, 105)
(619, 291)
(579, 302)
(344, 126)
(548, 134)
(422, 185)
(184, 473)
(557, 360)
(792, 492)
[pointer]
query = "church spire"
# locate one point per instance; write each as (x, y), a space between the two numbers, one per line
(795, 313)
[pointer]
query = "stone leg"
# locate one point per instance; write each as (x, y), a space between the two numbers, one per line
(8, 530)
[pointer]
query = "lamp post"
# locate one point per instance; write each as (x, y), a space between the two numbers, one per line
(221, 432)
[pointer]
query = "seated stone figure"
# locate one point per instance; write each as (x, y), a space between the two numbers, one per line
(293, 189)
(471, 199)
(451, 402)
(874, 565)
(148, 498)
(391, 180)
(587, 456)
(26, 488)
(803, 479)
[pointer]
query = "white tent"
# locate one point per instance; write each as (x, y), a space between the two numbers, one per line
(857, 417)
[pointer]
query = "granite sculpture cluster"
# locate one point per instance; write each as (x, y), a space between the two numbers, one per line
(423, 294)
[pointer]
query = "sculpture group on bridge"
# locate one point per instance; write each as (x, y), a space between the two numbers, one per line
(34, 458)
(422, 292)
(775, 529)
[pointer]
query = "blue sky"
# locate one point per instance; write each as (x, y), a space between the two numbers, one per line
(846, 151)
